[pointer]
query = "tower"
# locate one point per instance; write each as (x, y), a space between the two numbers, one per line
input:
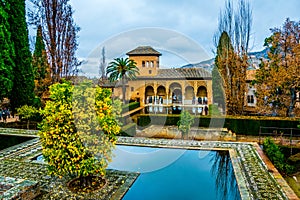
(147, 60)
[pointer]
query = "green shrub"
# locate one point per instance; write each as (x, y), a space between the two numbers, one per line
(213, 110)
(295, 160)
(184, 123)
(130, 106)
(238, 124)
(128, 130)
(28, 113)
(276, 156)
(73, 132)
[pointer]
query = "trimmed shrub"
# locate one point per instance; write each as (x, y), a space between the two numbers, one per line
(213, 110)
(239, 125)
(130, 106)
(128, 130)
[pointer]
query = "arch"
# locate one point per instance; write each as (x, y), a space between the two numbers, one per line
(161, 91)
(149, 94)
(202, 95)
(176, 92)
(161, 94)
(189, 93)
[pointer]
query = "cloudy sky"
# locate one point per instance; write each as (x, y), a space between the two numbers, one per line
(181, 29)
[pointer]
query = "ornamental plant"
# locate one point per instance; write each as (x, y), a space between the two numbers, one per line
(185, 122)
(78, 130)
(274, 153)
(27, 112)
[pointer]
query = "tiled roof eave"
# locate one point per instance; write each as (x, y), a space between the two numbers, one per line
(173, 78)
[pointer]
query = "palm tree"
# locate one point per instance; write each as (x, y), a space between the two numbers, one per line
(121, 69)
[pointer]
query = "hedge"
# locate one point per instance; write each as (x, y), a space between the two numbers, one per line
(239, 125)
(128, 130)
(130, 106)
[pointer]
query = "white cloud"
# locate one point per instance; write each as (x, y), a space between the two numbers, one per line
(177, 49)
(104, 19)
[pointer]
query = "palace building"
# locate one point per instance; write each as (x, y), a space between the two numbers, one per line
(156, 86)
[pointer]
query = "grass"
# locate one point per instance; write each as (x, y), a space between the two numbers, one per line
(293, 184)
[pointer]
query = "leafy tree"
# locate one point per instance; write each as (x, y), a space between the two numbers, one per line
(232, 41)
(60, 35)
(23, 84)
(122, 69)
(278, 79)
(7, 53)
(27, 112)
(232, 68)
(77, 132)
(185, 122)
(41, 66)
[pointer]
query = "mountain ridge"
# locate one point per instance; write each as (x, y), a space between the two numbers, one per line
(209, 64)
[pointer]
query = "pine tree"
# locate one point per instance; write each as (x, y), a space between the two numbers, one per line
(6, 53)
(23, 86)
(41, 67)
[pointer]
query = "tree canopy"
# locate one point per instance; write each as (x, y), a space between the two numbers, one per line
(122, 69)
(278, 79)
(41, 66)
(232, 68)
(23, 82)
(7, 53)
(59, 34)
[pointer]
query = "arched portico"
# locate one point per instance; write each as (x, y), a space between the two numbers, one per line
(175, 92)
(189, 95)
(149, 94)
(161, 94)
(202, 95)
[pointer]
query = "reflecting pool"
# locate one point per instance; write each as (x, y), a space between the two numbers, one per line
(177, 173)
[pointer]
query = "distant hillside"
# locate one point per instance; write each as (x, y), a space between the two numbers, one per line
(209, 64)
(260, 54)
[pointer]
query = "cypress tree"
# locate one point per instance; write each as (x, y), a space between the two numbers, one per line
(6, 53)
(41, 67)
(232, 68)
(23, 86)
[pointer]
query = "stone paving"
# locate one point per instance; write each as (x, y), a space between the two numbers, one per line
(18, 162)
(256, 180)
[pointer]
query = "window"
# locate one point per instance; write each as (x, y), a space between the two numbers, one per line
(250, 98)
(157, 64)
(143, 63)
(147, 64)
(150, 71)
(151, 64)
(132, 89)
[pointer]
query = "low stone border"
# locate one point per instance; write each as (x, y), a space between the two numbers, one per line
(19, 188)
(18, 132)
(253, 176)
